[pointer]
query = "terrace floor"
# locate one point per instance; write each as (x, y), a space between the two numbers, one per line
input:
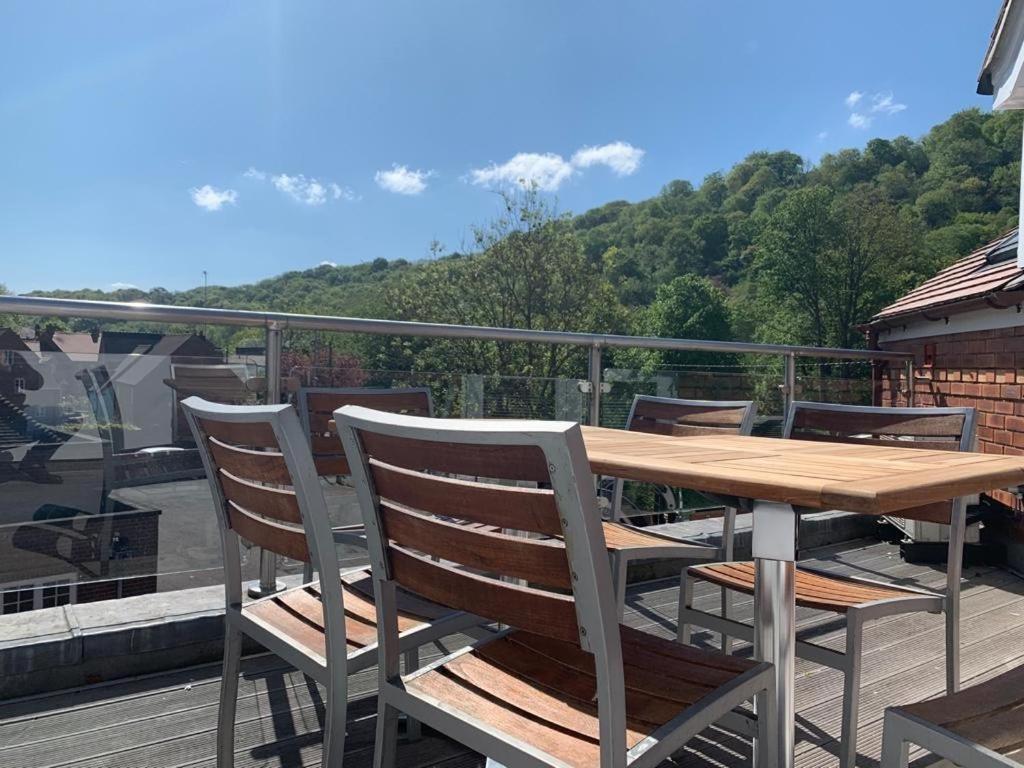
(170, 719)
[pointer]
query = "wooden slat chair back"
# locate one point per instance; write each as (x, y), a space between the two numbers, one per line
(446, 539)
(317, 406)
(418, 538)
(265, 491)
(940, 429)
(690, 418)
(685, 418)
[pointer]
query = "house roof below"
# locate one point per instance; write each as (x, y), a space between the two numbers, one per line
(989, 275)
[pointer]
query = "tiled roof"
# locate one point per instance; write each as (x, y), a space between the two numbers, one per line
(991, 268)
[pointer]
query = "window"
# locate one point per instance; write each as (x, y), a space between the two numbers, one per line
(7, 357)
(58, 593)
(18, 600)
(19, 384)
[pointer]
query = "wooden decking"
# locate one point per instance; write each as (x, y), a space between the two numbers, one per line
(169, 719)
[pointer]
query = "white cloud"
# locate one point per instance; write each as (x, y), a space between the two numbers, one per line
(339, 192)
(124, 287)
(308, 191)
(327, 264)
(211, 198)
(857, 120)
(548, 171)
(300, 189)
(853, 99)
(402, 180)
(883, 102)
(623, 158)
(822, 135)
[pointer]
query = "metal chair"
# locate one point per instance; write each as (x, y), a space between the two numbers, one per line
(317, 405)
(565, 684)
(266, 491)
(861, 600)
(979, 727)
(681, 418)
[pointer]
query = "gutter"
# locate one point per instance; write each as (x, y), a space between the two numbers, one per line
(942, 312)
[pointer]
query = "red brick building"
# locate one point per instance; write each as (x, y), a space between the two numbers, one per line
(965, 327)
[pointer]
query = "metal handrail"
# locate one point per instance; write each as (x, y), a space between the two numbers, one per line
(160, 313)
(275, 322)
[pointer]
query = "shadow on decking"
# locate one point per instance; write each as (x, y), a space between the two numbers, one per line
(169, 719)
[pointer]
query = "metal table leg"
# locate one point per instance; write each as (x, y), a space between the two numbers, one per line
(774, 549)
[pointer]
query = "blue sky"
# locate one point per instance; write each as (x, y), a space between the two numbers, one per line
(143, 142)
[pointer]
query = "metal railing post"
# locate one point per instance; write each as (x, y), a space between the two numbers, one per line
(268, 583)
(788, 382)
(910, 383)
(595, 385)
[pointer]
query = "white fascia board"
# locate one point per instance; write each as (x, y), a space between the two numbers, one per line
(965, 322)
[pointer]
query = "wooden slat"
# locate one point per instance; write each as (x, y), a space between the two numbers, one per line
(328, 466)
(508, 462)
(950, 444)
(283, 539)
(256, 434)
(260, 466)
(568, 748)
(522, 509)
(541, 612)
(677, 429)
(539, 561)
(326, 444)
(709, 416)
(393, 401)
(277, 503)
(990, 714)
(812, 590)
(851, 423)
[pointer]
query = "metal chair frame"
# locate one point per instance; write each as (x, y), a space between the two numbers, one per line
(572, 483)
(332, 669)
(849, 661)
(901, 729)
(678, 548)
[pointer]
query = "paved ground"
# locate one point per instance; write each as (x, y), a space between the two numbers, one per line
(170, 719)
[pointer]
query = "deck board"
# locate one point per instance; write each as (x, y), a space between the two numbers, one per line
(169, 720)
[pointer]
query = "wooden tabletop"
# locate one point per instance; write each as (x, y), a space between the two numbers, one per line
(869, 478)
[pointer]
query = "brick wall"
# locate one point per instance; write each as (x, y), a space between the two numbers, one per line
(983, 369)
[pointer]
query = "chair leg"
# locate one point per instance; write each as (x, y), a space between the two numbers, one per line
(952, 645)
(228, 697)
(726, 613)
(620, 573)
(413, 731)
(334, 725)
(685, 603)
(895, 749)
(385, 747)
(851, 691)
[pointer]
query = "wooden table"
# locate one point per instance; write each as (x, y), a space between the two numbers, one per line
(774, 479)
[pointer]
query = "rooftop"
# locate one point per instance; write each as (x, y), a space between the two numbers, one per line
(987, 277)
(169, 719)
